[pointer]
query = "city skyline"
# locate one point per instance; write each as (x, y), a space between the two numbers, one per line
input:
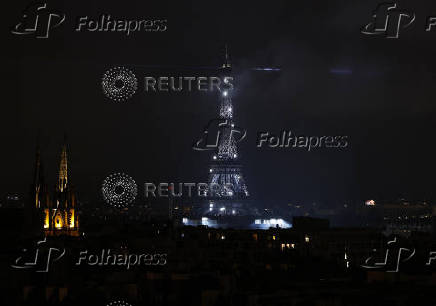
(378, 92)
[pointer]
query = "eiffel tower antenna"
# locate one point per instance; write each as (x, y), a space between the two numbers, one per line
(227, 58)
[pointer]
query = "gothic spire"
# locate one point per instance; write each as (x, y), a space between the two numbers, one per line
(63, 168)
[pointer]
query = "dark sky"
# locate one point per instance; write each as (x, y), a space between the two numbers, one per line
(385, 103)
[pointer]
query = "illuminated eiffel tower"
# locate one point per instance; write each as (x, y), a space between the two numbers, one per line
(227, 192)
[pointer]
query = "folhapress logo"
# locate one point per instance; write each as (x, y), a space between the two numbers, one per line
(394, 256)
(388, 20)
(213, 134)
(41, 260)
(37, 21)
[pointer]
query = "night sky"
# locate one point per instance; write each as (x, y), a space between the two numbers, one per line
(334, 80)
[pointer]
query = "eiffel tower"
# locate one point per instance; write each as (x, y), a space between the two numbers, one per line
(227, 192)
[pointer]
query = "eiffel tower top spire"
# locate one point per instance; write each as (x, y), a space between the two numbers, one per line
(227, 59)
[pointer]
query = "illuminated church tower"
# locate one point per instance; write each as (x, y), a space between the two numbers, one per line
(59, 211)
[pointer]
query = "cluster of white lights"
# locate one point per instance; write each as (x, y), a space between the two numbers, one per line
(269, 221)
(119, 303)
(225, 93)
(119, 190)
(119, 84)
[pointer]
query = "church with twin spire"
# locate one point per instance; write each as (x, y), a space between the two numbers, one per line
(55, 212)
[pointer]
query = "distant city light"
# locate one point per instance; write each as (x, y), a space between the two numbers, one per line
(370, 203)
(204, 221)
(225, 93)
(273, 222)
(287, 246)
